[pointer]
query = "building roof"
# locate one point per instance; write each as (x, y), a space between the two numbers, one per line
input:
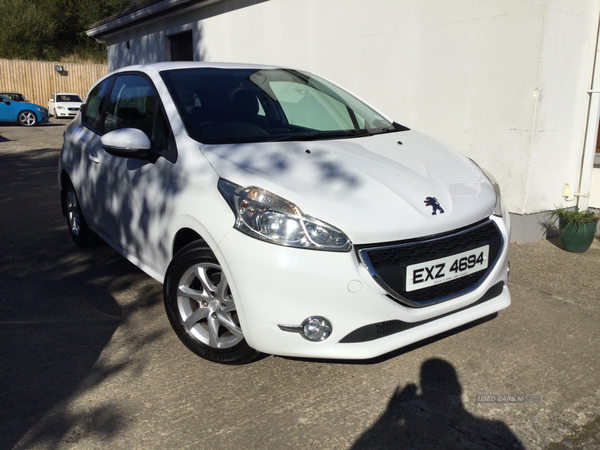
(140, 12)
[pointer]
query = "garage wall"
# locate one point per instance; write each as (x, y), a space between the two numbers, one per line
(504, 82)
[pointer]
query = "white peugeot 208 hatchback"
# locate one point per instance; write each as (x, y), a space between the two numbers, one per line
(282, 214)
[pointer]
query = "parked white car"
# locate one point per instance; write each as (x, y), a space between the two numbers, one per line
(64, 105)
(283, 214)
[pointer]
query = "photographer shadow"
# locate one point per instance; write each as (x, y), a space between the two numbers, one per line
(435, 419)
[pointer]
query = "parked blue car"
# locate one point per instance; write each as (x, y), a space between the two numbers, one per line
(25, 114)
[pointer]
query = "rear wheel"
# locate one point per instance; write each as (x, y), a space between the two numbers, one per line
(78, 228)
(201, 308)
(27, 118)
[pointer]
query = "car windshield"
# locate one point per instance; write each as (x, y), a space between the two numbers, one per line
(220, 106)
(14, 97)
(68, 98)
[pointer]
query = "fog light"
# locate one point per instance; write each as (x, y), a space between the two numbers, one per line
(316, 329)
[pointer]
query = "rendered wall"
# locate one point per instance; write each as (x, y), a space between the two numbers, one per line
(504, 82)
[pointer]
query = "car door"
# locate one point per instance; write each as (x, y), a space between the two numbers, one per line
(137, 190)
(8, 113)
(84, 156)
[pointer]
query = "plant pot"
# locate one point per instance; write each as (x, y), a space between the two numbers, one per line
(577, 237)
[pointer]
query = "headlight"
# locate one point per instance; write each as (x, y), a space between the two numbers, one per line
(268, 217)
(498, 208)
(60, 107)
(42, 110)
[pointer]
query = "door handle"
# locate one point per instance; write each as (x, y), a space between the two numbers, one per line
(93, 158)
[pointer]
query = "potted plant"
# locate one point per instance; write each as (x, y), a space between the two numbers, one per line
(576, 228)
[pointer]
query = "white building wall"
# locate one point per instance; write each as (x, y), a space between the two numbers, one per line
(504, 82)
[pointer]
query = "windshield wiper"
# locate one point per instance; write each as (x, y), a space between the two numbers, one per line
(315, 135)
(298, 137)
(396, 127)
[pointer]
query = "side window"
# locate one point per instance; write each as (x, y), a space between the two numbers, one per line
(92, 115)
(131, 105)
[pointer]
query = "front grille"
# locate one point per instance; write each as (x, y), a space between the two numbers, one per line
(383, 329)
(388, 263)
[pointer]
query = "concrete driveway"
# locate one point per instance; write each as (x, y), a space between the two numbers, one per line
(88, 359)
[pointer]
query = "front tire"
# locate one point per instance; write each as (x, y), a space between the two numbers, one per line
(27, 118)
(201, 309)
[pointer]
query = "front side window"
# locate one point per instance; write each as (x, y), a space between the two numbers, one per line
(131, 105)
(92, 114)
(221, 106)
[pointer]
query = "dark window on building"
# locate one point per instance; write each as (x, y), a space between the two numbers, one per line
(182, 48)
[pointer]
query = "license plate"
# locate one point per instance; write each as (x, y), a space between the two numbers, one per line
(442, 270)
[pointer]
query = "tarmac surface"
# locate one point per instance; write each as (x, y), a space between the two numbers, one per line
(88, 359)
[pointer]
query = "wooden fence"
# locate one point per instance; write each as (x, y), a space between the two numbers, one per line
(37, 80)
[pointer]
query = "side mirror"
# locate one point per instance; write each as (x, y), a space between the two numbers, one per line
(128, 143)
(7, 101)
(51, 100)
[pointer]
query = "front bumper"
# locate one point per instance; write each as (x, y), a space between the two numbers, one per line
(59, 113)
(274, 285)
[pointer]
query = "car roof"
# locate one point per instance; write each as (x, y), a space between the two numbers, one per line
(159, 67)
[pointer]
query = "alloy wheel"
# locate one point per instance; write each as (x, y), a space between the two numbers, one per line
(27, 118)
(206, 307)
(73, 212)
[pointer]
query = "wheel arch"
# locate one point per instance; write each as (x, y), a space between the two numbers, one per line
(184, 237)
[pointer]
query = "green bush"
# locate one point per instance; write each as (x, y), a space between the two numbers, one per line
(54, 30)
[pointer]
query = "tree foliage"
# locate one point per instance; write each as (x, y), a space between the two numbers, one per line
(54, 30)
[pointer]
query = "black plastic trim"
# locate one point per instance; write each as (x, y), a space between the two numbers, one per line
(384, 329)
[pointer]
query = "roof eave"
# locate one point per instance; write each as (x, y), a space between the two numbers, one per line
(142, 15)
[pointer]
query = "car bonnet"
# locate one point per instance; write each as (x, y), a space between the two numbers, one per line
(379, 188)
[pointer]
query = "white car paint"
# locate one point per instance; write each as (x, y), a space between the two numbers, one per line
(370, 175)
(57, 107)
(373, 188)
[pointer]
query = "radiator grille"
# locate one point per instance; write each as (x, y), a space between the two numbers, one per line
(388, 263)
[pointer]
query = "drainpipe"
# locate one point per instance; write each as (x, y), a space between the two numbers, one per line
(591, 136)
